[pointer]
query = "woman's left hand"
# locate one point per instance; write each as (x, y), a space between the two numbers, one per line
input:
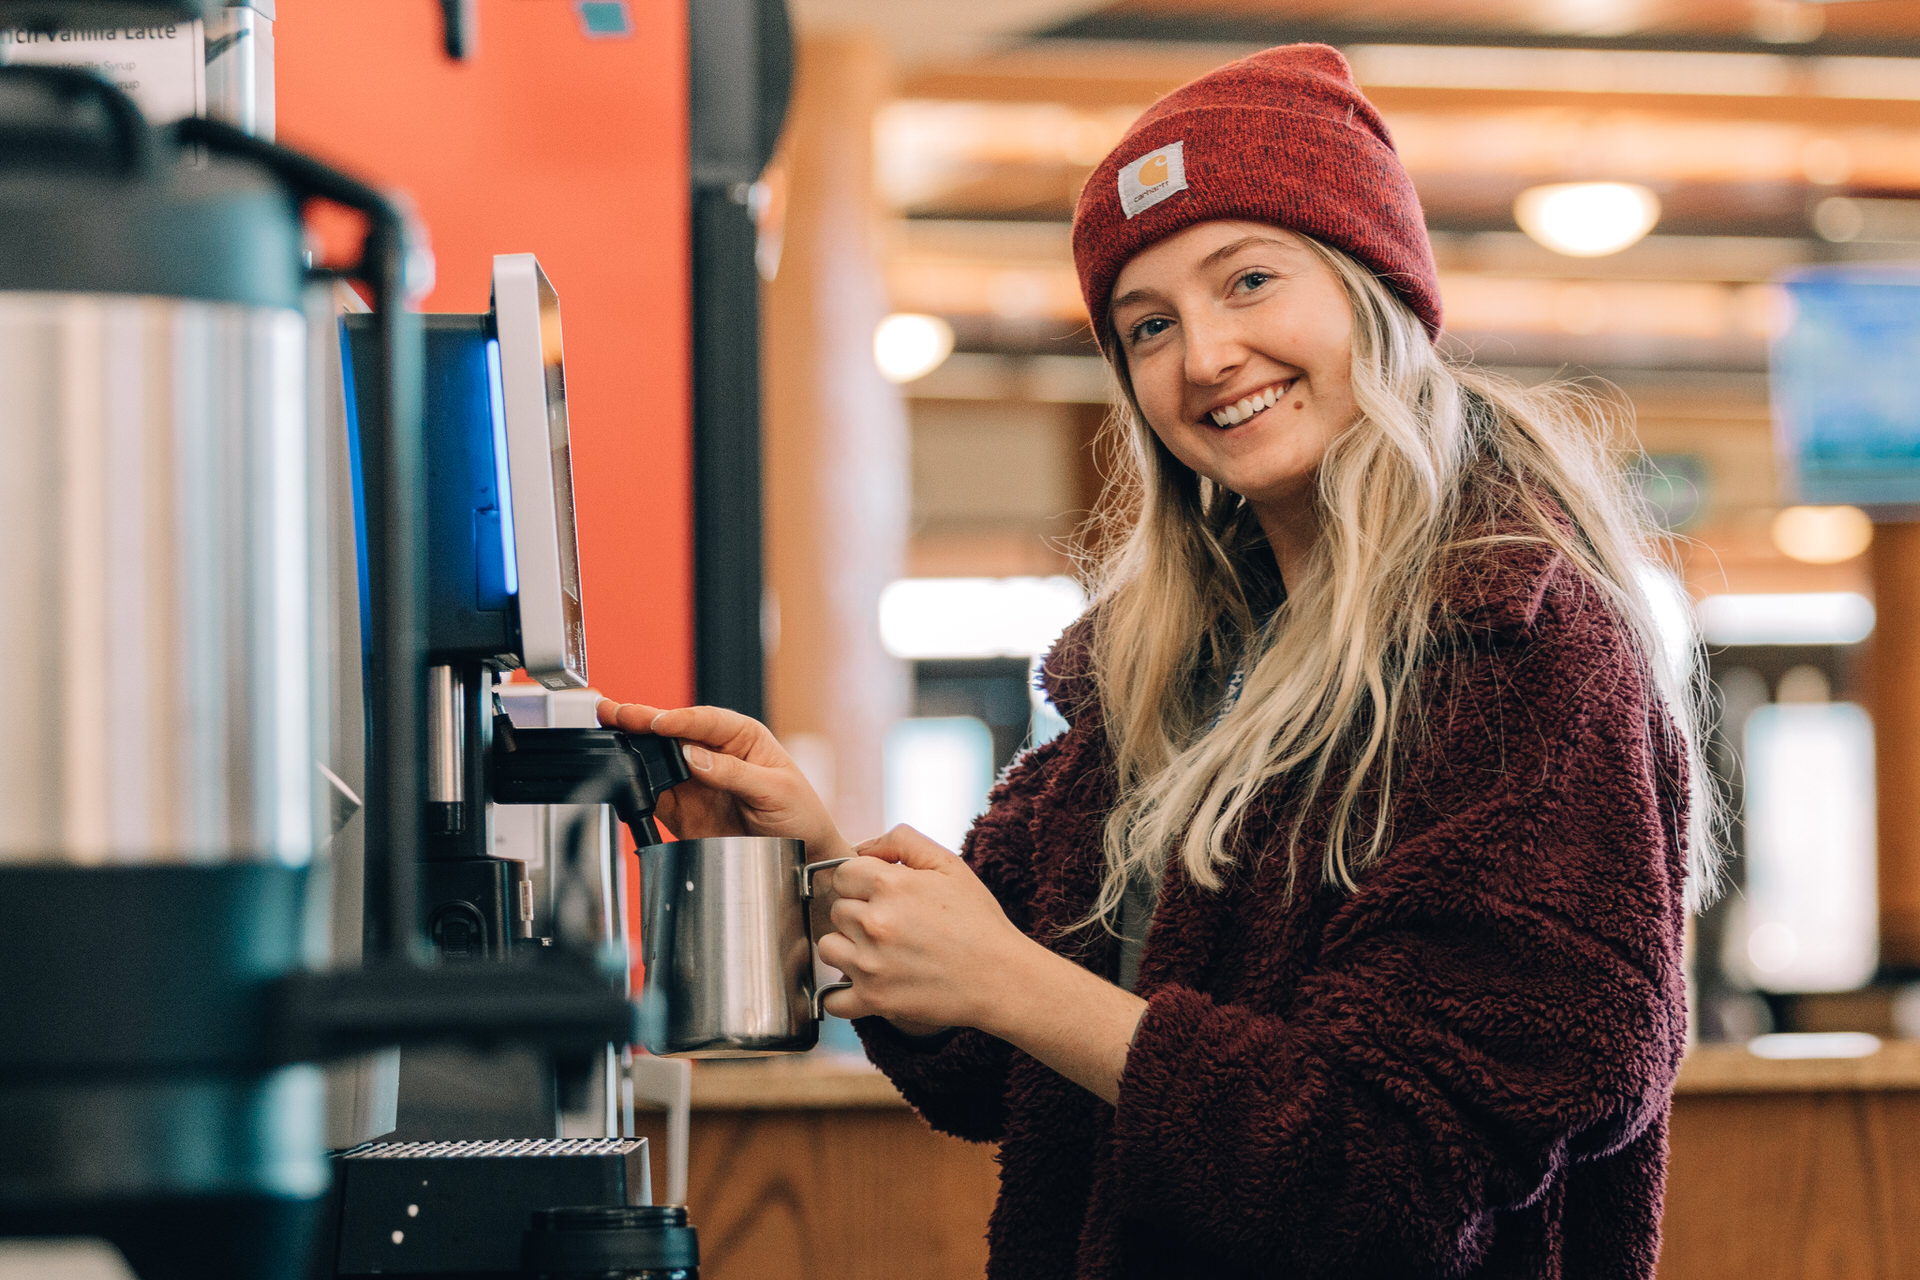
(925, 943)
(927, 946)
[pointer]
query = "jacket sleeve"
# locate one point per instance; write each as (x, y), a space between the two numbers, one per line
(1501, 998)
(957, 1081)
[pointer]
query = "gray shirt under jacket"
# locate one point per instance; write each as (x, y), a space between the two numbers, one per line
(1136, 918)
(1142, 894)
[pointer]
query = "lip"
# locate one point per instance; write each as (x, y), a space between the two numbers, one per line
(1206, 415)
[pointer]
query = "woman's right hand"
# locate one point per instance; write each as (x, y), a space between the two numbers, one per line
(743, 781)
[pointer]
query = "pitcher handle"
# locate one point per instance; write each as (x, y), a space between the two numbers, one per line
(806, 875)
(806, 895)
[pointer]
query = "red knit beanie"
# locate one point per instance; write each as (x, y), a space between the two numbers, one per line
(1281, 137)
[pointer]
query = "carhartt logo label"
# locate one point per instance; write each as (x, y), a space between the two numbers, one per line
(1156, 175)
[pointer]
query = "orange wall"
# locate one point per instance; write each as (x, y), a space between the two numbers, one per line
(573, 149)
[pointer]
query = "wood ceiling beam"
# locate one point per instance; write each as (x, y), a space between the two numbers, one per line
(1261, 30)
(1086, 78)
(1821, 112)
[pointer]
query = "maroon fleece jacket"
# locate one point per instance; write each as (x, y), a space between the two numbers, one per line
(1464, 1068)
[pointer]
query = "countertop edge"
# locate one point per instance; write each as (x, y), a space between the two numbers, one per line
(1732, 1068)
(846, 1083)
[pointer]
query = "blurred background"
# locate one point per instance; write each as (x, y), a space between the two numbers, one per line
(1709, 209)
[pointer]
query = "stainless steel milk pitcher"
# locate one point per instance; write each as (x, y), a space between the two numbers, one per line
(727, 947)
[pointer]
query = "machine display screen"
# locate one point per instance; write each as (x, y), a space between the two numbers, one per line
(560, 440)
(533, 383)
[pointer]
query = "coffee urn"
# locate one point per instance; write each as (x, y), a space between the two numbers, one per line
(165, 588)
(160, 808)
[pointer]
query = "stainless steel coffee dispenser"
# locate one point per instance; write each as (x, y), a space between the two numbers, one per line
(160, 835)
(158, 798)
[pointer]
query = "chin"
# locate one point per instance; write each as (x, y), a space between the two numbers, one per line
(1268, 489)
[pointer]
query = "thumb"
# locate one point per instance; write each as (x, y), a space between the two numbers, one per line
(911, 849)
(753, 785)
(628, 717)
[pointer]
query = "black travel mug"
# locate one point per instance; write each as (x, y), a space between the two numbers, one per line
(612, 1242)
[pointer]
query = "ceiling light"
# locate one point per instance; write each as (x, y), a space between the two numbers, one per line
(908, 346)
(976, 617)
(1590, 17)
(1587, 219)
(1788, 21)
(1816, 617)
(1822, 535)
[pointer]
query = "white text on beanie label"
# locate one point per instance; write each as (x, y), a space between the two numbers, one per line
(1156, 175)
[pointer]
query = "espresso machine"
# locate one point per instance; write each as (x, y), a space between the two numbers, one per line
(503, 595)
(168, 828)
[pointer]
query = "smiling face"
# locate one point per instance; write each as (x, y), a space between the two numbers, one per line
(1238, 344)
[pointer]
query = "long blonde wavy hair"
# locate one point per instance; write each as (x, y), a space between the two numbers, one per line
(1437, 449)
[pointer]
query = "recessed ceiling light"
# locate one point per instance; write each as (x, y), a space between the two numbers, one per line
(1822, 535)
(908, 346)
(1788, 21)
(1587, 219)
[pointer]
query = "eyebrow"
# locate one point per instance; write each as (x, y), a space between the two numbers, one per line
(1213, 259)
(1226, 251)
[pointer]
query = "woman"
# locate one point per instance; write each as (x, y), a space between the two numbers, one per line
(1340, 933)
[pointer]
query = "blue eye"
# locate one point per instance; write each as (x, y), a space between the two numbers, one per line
(1151, 327)
(1252, 280)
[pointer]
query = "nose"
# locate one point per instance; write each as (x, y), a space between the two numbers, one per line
(1214, 349)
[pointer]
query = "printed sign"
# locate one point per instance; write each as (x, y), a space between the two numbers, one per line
(1156, 175)
(163, 68)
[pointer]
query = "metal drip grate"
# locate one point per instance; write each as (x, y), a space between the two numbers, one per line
(497, 1147)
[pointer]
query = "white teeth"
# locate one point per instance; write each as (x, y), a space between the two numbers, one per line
(1240, 410)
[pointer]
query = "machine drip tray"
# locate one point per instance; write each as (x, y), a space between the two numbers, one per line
(463, 1208)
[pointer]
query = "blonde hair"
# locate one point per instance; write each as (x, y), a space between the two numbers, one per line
(1437, 453)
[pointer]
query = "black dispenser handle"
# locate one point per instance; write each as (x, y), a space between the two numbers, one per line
(458, 18)
(629, 771)
(130, 136)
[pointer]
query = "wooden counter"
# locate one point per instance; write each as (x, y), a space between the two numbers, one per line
(1791, 1169)
(814, 1166)
(845, 1081)
(1729, 1068)
(829, 1081)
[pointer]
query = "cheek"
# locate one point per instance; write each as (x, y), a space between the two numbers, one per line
(1329, 430)
(1332, 398)
(1174, 442)
(1329, 418)
(1159, 398)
